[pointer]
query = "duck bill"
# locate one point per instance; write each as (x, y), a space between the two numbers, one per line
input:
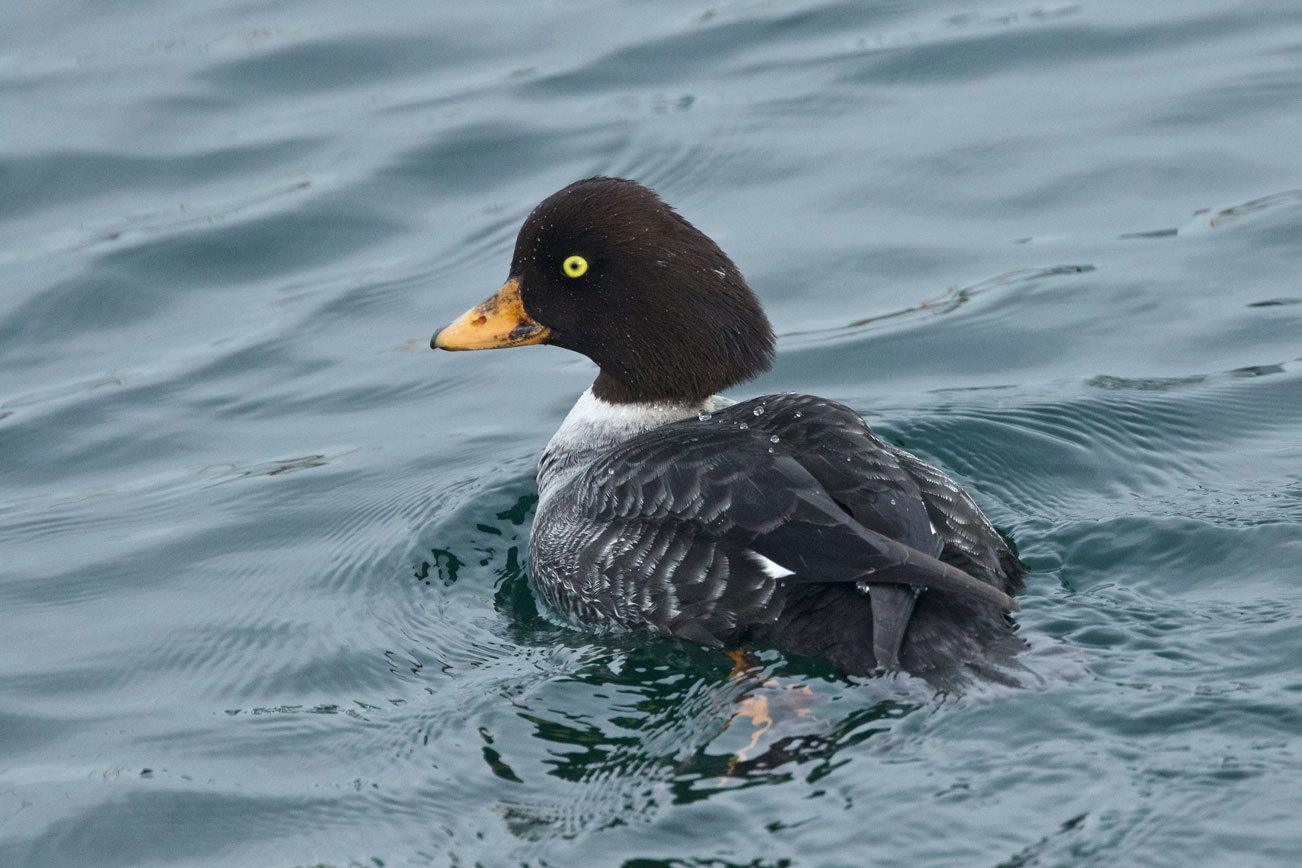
(496, 323)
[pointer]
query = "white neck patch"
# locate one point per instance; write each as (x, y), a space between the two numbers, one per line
(597, 424)
(594, 420)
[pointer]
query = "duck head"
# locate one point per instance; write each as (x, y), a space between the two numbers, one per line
(606, 269)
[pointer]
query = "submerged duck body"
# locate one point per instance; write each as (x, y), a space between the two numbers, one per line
(781, 521)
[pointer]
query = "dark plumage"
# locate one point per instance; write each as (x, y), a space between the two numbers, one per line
(782, 521)
(661, 532)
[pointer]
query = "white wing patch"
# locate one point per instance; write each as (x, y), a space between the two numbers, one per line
(771, 568)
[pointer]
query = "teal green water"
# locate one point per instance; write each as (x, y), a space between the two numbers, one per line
(262, 593)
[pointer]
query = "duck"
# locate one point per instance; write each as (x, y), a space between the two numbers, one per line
(777, 522)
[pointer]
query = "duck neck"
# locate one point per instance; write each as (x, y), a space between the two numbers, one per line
(630, 390)
(595, 425)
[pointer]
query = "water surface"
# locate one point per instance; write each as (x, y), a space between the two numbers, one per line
(262, 594)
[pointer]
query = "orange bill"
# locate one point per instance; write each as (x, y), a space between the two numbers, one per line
(498, 322)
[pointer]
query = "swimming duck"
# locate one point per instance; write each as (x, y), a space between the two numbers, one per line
(781, 521)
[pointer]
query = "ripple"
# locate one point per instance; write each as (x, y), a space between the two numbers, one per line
(1289, 199)
(329, 65)
(951, 300)
(228, 817)
(1135, 440)
(69, 177)
(1002, 51)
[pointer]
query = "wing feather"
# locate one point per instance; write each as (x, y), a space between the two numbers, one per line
(722, 479)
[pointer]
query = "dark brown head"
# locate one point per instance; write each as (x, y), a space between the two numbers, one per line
(606, 269)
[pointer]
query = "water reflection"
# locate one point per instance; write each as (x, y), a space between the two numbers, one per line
(637, 720)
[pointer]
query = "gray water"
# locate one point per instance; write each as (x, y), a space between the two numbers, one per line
(262, 593)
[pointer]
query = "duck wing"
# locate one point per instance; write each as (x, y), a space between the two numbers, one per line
(971, 543)
(726, 480)
(892, 492)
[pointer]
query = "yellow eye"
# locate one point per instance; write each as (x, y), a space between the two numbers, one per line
(574, 266)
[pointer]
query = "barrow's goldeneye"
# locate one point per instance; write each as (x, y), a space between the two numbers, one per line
(781, 521)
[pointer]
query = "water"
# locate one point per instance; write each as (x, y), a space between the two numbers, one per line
(261, 594)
